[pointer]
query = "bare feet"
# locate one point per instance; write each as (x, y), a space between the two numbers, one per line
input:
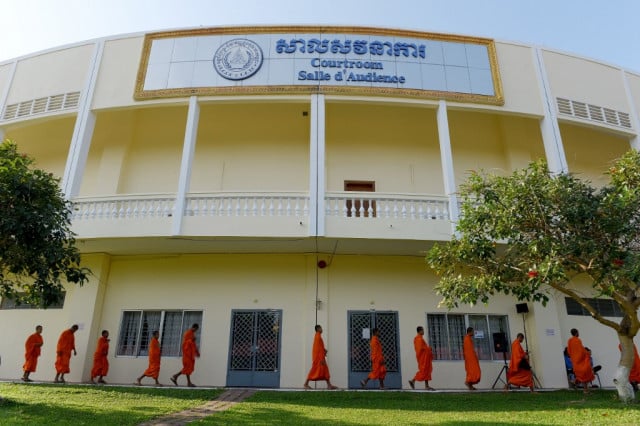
(191, 385)
(412, 383)
(469, 386)
(173, 379)
(307, 386)
(158, 384)
(429, 388)
(332, 387)
(138, 383)
(363, 383)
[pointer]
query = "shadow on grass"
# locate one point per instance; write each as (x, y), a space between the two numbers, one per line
(511, 402)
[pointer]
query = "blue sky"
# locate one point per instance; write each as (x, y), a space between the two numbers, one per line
(606, 30)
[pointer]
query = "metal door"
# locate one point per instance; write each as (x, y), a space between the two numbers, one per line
(254, 351)
(360, 325)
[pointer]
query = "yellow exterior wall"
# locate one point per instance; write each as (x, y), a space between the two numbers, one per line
(519, 80)
(118, 68)
(585, 81)
(52, 73)
(397, 147)
(240, 146)
(47, 141)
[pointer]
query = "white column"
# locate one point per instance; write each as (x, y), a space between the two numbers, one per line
(551, 138)
(83, 130)
(446, 158)
(635, 119)
(5, 93)
(188, 151)
(316, 166)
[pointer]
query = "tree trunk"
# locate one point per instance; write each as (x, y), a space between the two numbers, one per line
(621, 378)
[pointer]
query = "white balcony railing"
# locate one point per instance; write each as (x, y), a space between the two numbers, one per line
(123, 207)
(247, 204)
(372, 205)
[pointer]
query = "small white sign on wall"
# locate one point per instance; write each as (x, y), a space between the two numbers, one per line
(366, 333)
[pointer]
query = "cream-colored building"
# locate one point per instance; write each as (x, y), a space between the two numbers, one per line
(260, 180)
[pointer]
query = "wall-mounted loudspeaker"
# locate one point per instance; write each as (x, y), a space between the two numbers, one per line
(522, 308)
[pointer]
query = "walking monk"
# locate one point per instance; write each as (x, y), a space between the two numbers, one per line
(581, 360)
(153, 370)
(100, 361)
(66, 344)
(424, 355)
(519, 372)
(189, 354)
(319, 369)
(471, 363)
(378, 369)
(31, 353)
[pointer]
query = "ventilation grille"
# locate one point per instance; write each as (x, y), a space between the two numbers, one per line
(593, 113)
(41, 106)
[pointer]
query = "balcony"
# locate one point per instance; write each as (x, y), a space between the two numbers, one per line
(260, 222)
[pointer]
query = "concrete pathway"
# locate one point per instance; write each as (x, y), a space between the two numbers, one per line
(226, 400)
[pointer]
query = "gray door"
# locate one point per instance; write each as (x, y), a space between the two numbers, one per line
(254, 351)
(360, 325)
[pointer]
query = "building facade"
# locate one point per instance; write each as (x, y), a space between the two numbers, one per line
(260, 180)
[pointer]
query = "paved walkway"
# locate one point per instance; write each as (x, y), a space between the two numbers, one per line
(226, 400)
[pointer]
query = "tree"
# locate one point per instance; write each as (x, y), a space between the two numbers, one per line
(37, 247)
(532, 232)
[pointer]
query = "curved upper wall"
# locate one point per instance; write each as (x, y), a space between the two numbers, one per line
(468, 72)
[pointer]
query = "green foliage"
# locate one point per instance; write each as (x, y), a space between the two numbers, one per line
(37, 248)
(530, 232)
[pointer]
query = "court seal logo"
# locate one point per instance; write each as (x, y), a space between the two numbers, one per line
(238, 59)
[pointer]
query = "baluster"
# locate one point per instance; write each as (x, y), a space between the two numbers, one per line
(412, 211)
(421, 210)
(92, 212)
(386, 209)
(280, 211)
(370, 209)
(121, 210)
(430, 213)
(346, 210)
(168, 207)
(305, 209)
(288, 209)
(229, 206)
(395, 209)
(100, 210)
(128, 211)
(263, 206)
(237, 202)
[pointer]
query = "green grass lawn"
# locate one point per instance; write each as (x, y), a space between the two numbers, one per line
(38, 404)
(42, 404)
(409, 408)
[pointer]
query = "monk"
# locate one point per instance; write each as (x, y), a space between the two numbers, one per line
(581, 360)
(100, 361)
(189, 354)
(519, 372)
(66, 344)
(471, 363)
(31, 353)
(153, 370)
(634, 373)
(424, 356)
(378, 369)
(319, 368)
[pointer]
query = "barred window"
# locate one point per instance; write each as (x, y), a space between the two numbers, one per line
(447, 331)
(605, 307)
(137, 328)
(8, 303)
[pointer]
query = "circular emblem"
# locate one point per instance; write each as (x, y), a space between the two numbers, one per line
(237, 59)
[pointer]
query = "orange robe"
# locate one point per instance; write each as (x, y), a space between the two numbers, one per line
(32, 352)
(378, 370)
(100, 361)
(515, 374)
(189, 352)
(66, 344)
(319, 369)
(634, 374)
(424, 356)
(154, 359)
(581, 361)
(471, 363)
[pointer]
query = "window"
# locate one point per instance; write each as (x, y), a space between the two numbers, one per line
(360, 206)
(447, 331)
(137, 327)
(606, 307)
(8, 303)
